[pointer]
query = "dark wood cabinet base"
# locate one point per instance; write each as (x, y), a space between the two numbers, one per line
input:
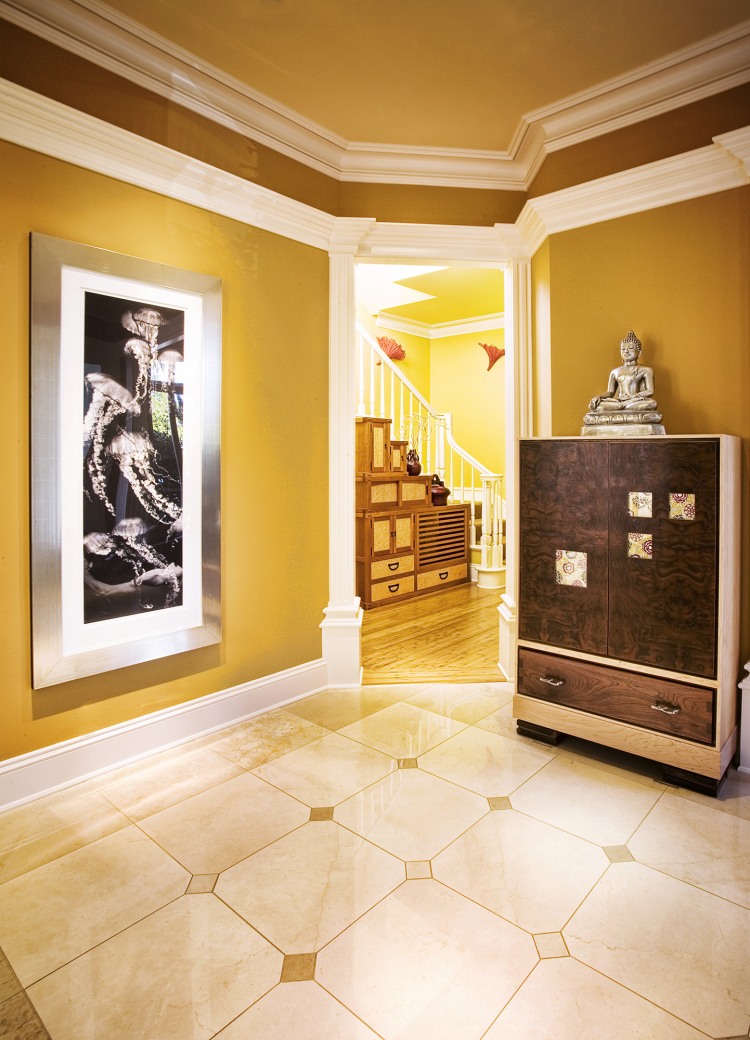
(693, 781)
(542, 733)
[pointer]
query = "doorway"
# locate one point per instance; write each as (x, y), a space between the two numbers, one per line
(443, 328)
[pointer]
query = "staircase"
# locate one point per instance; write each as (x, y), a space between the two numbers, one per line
(384, 392)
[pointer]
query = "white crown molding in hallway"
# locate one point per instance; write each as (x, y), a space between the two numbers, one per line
(51, 128)
(107, 38)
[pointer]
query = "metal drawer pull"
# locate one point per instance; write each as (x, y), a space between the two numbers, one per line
(394, 566)
(394, 588)
(551, 680)
(443, 575)
(666, 707)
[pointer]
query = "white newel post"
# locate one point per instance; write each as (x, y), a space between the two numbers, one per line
(518, 423)
(341, 627)
(744, 766)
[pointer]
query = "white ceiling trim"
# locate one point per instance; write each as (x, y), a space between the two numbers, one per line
(94, 31)
(704, 171)
(46, 126)
(442, 329)
(36, 122)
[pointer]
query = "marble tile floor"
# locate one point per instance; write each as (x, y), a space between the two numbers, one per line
(391, 862)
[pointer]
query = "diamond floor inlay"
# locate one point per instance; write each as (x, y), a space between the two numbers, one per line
(385, 863)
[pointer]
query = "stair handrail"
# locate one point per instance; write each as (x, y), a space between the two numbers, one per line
(443, 418)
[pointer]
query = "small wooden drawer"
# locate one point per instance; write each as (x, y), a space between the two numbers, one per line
(650, 701)
(388, 568)
(391, 491)
(444, 576)
(382, 591)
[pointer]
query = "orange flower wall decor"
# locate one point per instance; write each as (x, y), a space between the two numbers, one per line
(493, 353)
(391, 348)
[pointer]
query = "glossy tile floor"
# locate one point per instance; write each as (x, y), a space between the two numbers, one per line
(389, 862)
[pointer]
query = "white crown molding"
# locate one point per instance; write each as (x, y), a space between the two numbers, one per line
(36, 122)
(442, 329)
(107, 38)
(737, 143)
(46, 126)
(60, 765)
(704, 171)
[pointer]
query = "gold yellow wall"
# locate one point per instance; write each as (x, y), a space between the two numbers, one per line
(274, 445)
(461, 384)
(680, 277)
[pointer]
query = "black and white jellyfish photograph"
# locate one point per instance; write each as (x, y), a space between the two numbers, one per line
(133, 398)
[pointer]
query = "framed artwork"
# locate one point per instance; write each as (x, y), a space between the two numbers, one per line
(125, 439)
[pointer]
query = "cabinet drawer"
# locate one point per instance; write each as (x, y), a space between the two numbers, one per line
(444, 576)
(387, 568)
(382, 591)
(658, 704)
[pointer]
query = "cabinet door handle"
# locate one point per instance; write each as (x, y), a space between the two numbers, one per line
(667, 707)
(394, 566)
(443, 575)
(551, 680)
(394, 587)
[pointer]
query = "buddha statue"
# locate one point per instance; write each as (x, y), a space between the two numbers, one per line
(628, 403)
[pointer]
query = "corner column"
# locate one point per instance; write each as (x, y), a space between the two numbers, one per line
(518, 423)
(341, 627)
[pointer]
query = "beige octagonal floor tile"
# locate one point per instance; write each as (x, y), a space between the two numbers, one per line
(411, 814)
(147, 787)
(297, 1011)
(304, 889)
(697, 844)
(337, 708)
(427, 964)
(682, 948)
(565, 1000)
(216, 829)
(52, 826)
(265, 737)
(185, 972)
(403, 730)
(528, 872)
(594, 803)
(464, 702)
(327, 770)
(63, 908)
(483, 762)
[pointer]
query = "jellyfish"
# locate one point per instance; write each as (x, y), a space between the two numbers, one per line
(110, 400)
(170, 575)
(140, 350)
(145, 323)
(175, 532)
(134, 453)
(132, 531)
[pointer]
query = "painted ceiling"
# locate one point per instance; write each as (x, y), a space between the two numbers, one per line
(429, 73)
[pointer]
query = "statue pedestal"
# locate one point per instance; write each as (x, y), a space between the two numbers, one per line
(623, 429)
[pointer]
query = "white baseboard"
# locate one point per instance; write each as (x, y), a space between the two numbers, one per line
(62, 765)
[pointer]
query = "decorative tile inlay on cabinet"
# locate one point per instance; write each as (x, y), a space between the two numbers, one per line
(644, 656)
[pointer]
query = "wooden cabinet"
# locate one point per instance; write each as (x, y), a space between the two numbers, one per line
(405, 546)
(628, 597)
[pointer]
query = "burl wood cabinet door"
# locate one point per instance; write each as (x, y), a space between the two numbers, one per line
(563, 501)
(663, 553)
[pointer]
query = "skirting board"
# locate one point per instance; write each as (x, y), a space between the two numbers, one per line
(62, 765)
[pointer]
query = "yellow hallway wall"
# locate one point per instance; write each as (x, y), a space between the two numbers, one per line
(274, 445)
(461, 384)
(679, 277)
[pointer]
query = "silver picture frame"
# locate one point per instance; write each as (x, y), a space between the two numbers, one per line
(121, 577)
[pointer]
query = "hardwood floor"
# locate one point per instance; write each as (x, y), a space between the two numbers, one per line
(449, 636)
